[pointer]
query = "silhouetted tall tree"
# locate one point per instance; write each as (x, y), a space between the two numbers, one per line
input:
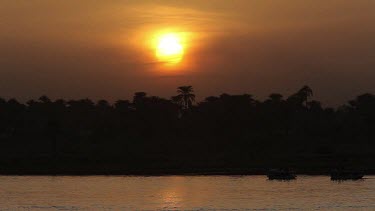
(186, 96)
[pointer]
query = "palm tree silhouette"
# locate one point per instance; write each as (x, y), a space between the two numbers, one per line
(305, 93)
(301, 98)
(186, 96)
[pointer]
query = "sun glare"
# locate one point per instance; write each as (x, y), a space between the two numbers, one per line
(169, 48)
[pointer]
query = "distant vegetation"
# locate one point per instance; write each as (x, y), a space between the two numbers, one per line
(150, 135)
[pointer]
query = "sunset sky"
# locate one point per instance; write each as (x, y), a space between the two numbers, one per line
(109, 49)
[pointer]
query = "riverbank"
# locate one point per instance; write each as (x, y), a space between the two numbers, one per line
(164, 172)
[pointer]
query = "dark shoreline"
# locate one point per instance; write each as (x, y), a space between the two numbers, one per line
(161, 173)
(221, 135)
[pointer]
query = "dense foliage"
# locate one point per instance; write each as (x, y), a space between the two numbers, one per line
(149, 134)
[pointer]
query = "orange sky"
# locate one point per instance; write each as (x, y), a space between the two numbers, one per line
(101, 49)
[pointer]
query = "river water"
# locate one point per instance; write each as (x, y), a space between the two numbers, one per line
(183, 193)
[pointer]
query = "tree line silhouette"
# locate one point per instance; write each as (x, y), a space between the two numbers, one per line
(151, 135)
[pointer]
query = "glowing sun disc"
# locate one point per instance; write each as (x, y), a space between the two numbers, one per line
(169, 48)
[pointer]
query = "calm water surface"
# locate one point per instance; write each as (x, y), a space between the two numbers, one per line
(183, 193)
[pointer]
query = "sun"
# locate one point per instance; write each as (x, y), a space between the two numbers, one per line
(169, 48)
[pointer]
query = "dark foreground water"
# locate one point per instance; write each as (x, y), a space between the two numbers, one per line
(183, 193)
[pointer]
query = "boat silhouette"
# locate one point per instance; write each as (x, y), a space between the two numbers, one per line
(281, 174)
(346, 175)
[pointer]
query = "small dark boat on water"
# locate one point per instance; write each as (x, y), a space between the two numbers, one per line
(346, 175)
(281, 174)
